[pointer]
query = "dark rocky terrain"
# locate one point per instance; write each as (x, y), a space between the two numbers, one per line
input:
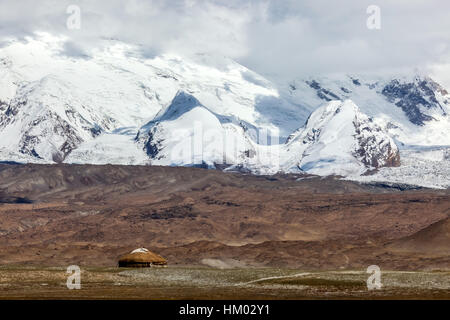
(57, 215)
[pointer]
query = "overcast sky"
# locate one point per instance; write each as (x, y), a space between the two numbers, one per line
(285, 37)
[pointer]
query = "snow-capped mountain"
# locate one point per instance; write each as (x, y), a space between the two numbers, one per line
(339, 139)
(187, 133)
(52, 104)
(414, 109)
(118, 106)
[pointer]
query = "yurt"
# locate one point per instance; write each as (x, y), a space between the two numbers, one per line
(141, 258)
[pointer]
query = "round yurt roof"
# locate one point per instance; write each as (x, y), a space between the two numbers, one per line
(142, 255)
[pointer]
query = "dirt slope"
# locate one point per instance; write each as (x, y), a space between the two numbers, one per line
(433, 239)
(91, 215)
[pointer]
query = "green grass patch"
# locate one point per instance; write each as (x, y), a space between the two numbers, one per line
(316, 282)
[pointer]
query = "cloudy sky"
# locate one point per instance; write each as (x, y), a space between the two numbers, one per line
(283, 37)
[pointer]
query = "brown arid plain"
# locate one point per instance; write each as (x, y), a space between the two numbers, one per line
(52, 216)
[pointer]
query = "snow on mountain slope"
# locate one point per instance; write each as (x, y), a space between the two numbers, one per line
(51, 102)
(339, 139)
(187, 133)
(29, 126)
(414, 109)
(117, 147)
(428, 167)
(116, 105)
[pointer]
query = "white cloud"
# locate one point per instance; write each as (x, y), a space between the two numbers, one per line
(286, 37)
(441, 73)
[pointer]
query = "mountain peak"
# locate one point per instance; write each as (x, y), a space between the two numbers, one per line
(339, 139)
(182, 102)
